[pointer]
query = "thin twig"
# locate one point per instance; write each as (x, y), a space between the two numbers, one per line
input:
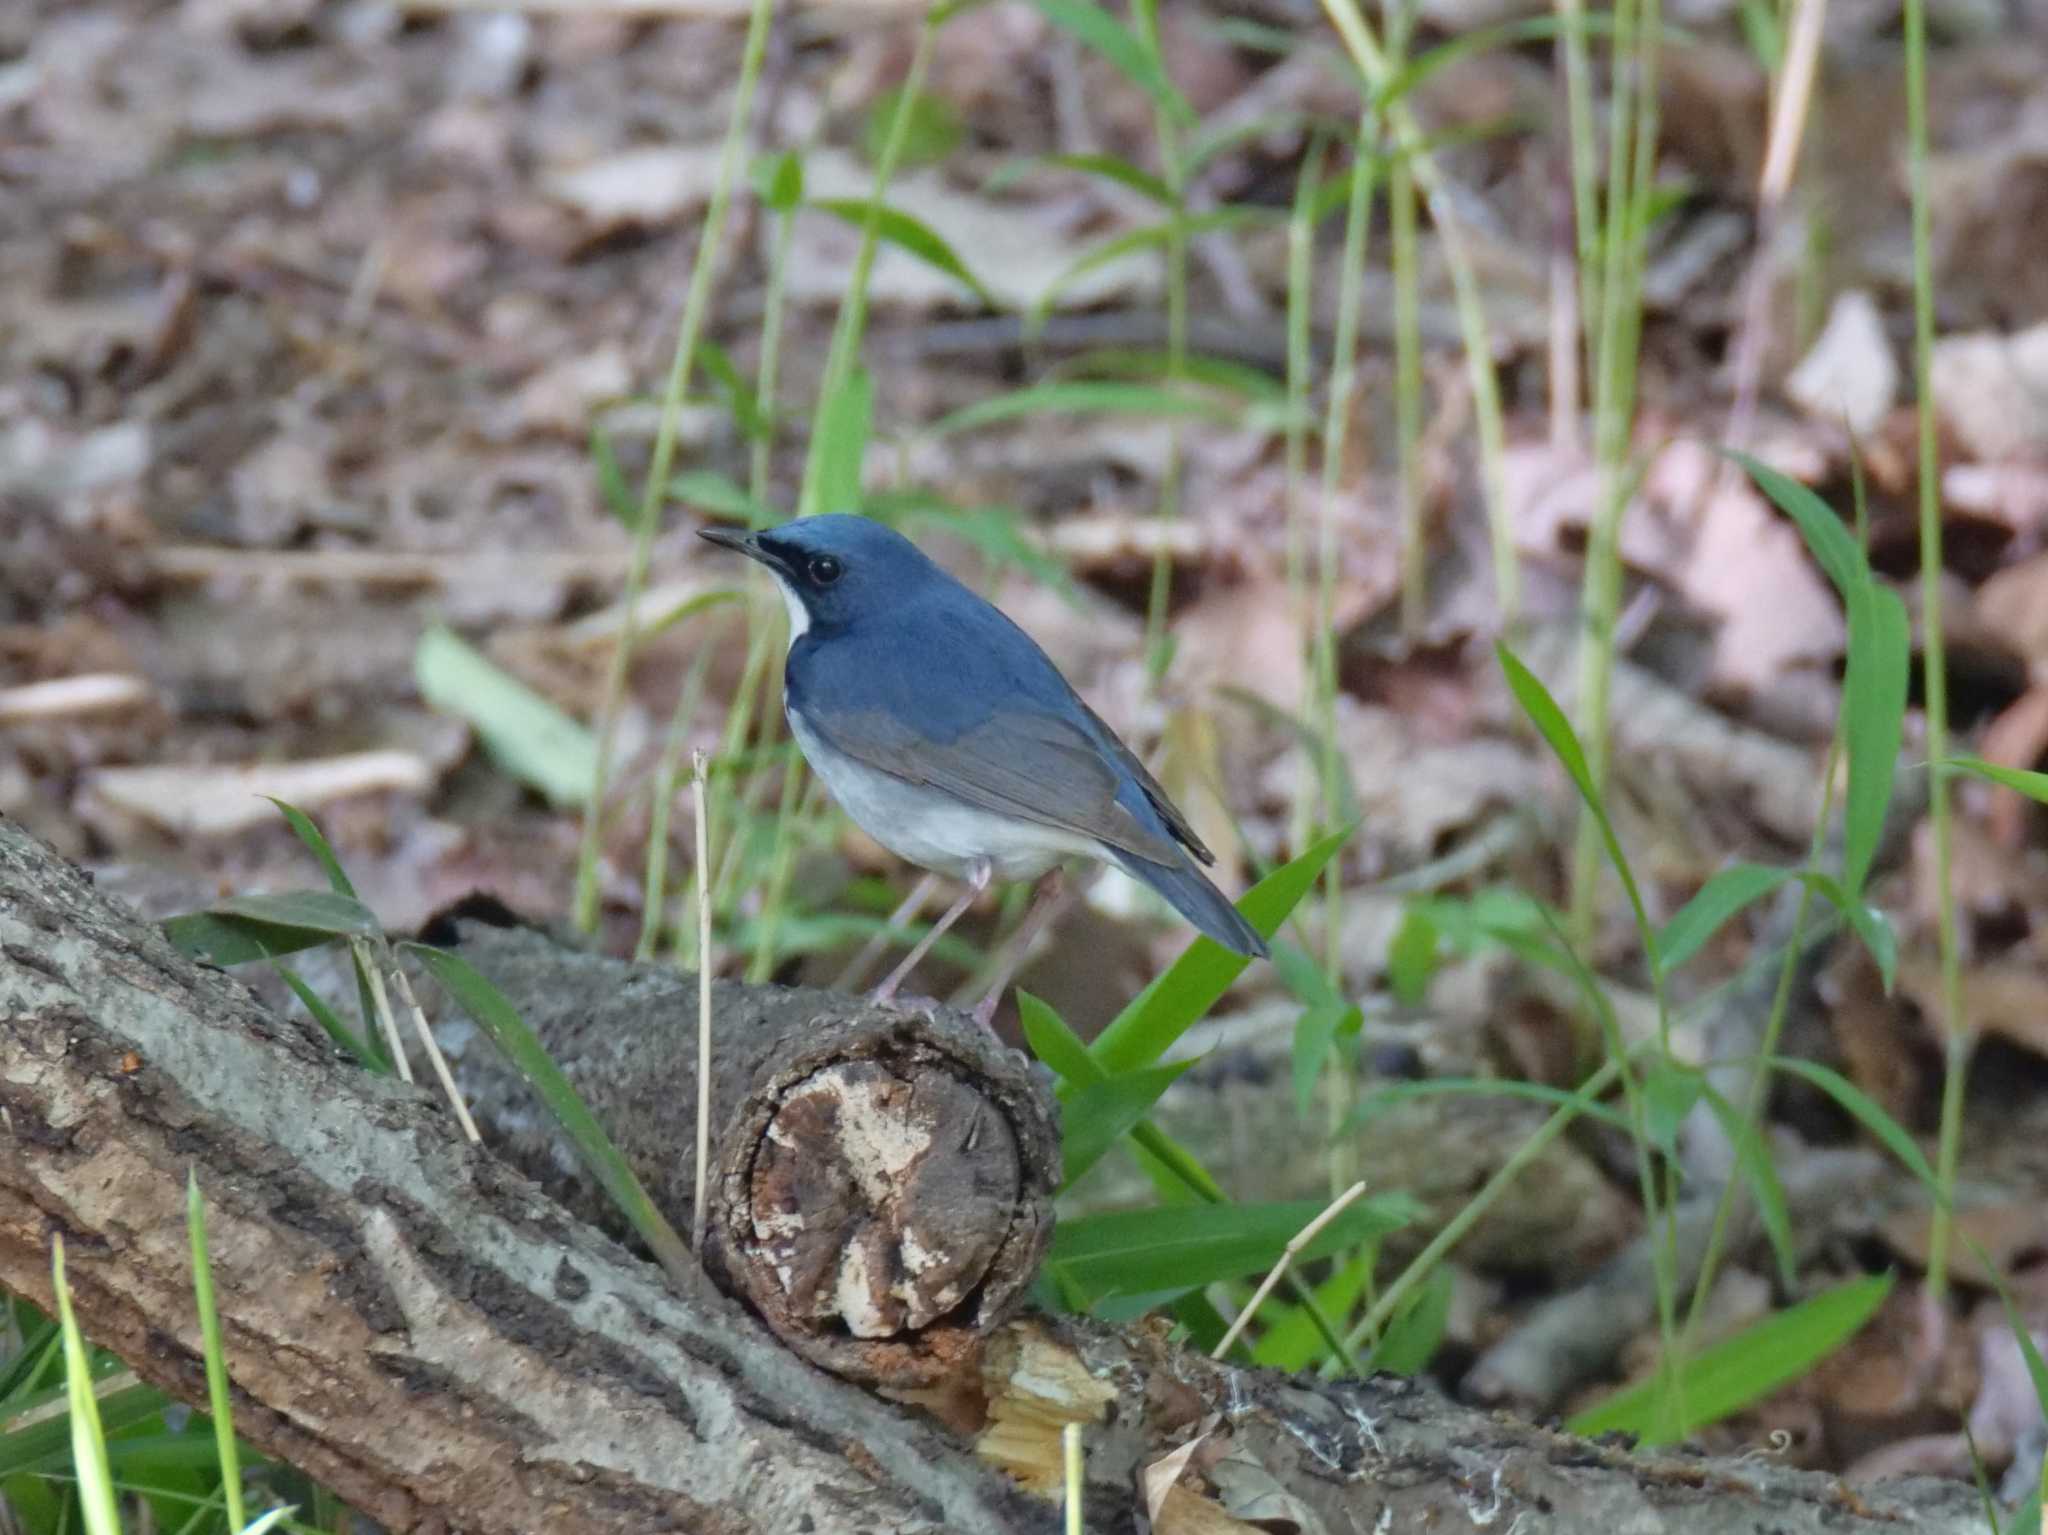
(703, 999)
(368, 963)
(1301, 1239)
(419, 1022)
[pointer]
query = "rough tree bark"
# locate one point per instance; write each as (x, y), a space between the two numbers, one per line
(424, 1329)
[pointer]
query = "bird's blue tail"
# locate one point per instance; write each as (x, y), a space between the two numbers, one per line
(1191, 894)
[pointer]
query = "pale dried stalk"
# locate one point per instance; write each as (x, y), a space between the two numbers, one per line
(419, 1023)
(1070, 1453)
(1301, 1239)
(389, 1024)
(703, 998)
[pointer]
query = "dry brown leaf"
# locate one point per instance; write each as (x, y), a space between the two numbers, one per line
(2008, 998)
(2017, 738)
(2010, 1234)
(1160, 1475)
(1189, 1513)
(1849, 375)
(211, 800)
(1992, 391)
(2012, 607)
(1871, 1033)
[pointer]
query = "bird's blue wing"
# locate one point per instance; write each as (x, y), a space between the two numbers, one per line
(937, 697)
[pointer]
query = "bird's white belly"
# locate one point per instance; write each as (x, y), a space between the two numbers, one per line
(929, 827)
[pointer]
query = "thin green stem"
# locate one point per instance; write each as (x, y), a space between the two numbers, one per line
(1458, 1226)
(1632, 130)
(766, 375)
(1301, 246)
(1585, 157)
(654, 491)
(1411, 143)
(852, 323)
(1934, 654)
(1344, 364)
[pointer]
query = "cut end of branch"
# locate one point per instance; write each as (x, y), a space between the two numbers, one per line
(885, 1198)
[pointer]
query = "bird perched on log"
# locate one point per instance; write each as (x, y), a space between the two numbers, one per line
(953, 740)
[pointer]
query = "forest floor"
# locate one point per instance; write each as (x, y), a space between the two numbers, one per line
(308, 313)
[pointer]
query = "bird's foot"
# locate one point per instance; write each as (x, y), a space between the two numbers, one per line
(886, 996)
(985, 1012)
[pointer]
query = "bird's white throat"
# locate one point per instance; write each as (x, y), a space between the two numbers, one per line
(799, 618)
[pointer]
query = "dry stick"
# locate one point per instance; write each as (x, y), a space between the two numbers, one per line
(1301, 1239)
(419, 1021)
(703, 999)
(1789, 110)
(385, 1020)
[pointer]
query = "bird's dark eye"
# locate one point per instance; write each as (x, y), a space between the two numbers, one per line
(824, 569)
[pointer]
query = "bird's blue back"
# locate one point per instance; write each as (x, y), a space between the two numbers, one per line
(931, 653)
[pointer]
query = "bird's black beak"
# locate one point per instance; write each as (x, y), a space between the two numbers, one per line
(740, 541)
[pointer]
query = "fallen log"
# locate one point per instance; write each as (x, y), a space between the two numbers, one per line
(422, 1328)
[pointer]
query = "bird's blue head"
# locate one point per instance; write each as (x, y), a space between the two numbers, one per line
(834, 568)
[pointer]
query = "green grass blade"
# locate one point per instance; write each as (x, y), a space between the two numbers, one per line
(88, 1437)
(1719, 899)
(307, 830)
(1054, 1043)
(1105, 35)
(1316, 1033)
(611, 480)
(1145, 237)
(1174, 1170)
(1291, 1340)
(363, 1050)
(525, 734)
(1080, 397)
(1753, 1163)
(243, 929)
(1563, 741)
(1873, 722)
(1176, 1000)
(1122, 172)
(2025, 781)
(45, 1446)
(41, 1341)
(1729, 1376)
(706, 490)
(218, 1402)
(1669, 1090)
(909, 234)
(487, 1006)
(1859, 1106)
(1095, 1117)
(779, 180)
(325, 912)
(1832, 545)
(1418, 1327)
(841, 448)
(1381, 1098)
(1130, 1250)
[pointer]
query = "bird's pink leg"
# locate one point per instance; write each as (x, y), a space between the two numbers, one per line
(977, 881)
(1048, 902)
(900, 918)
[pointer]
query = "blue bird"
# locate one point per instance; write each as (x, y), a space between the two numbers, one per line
(944, 731)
